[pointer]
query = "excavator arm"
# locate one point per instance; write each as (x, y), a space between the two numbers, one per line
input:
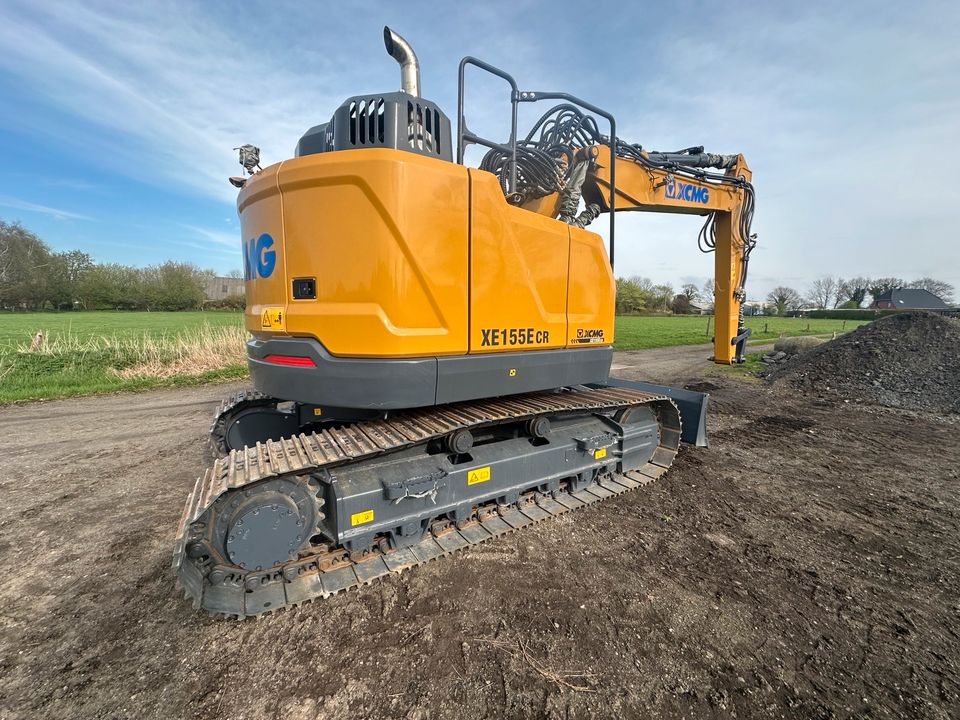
(727, 204)
(690, 182)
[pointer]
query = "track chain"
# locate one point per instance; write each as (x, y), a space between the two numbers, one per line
(232, 591)
(237, 402)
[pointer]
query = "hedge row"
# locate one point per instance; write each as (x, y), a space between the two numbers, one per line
(849, 314)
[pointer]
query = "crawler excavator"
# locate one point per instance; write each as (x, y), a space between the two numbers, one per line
(431, 343)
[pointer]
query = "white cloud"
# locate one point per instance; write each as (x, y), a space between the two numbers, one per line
(846, 113)
(55, 213)
(173, 90)
(217, 237)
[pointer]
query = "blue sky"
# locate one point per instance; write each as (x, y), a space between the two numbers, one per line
(117, 120)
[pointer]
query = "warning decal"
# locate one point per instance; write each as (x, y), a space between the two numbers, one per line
(478, 476)
(273, 318)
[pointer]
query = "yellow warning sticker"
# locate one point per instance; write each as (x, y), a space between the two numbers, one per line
(599, 453)
(478, 476)
(273, 318)
(318, 412)
(361, 517)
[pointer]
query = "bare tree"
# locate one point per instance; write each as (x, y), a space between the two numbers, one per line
(941, 289)
(842, 292)
(785, 298)
(645, 284)
(691, 291)
(879, 286)
(708, 294)
(854, 290)
(823, 291)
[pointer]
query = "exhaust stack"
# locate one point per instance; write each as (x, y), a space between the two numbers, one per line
(401, 51)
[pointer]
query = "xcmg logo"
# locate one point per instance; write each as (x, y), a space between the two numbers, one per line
(685, 191)
(258, 259)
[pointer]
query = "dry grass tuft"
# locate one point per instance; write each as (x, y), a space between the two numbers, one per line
(163, 355)
(190, 354)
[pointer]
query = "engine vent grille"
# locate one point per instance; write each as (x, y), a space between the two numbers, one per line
(391, 120)
(366, 121)
(423, 127)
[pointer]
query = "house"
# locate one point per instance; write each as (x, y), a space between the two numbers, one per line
(759, 307)
(908, 299)
(219, 288)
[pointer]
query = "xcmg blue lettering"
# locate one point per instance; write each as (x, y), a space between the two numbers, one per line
(258, 259)
(685, 191)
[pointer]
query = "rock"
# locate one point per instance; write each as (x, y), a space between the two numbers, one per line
(796, 345)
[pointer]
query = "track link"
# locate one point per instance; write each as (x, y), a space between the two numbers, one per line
(228, 409)
(237, 592)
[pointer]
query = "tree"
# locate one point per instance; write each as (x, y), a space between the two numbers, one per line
(114, 286)
(24, 267)
(708, 294)
(823, 290)
(852, 291)
(941, 289)
(66, 271)
(691, 292)
(174, 286)
(630, 298)
(784, 298)
(659, 298)
(841, 293)
(879, 286)
(645, 284)
(680, 304)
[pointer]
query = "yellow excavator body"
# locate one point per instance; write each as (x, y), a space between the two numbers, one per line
(458, 271)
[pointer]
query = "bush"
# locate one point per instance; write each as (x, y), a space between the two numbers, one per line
(230, 302)
(848, 314)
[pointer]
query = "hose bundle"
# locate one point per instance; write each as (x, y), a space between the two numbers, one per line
(547, 163)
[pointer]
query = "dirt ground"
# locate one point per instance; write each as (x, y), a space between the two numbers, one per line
(805, 566)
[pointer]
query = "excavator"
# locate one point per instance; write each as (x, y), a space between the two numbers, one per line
(431, 343)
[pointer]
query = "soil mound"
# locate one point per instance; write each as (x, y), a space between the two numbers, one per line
(908, 360)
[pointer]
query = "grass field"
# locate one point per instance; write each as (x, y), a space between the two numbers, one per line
(17, 328)
(635, 332)
(93, 352)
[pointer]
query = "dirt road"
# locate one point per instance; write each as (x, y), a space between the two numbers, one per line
(805, 566)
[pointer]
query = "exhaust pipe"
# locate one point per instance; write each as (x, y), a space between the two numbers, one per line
(400, 50)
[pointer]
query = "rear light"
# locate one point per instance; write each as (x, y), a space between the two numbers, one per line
(294, 360)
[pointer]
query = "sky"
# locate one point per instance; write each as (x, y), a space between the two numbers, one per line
(118, 120)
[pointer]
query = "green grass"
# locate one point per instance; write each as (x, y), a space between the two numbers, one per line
(93, 352)
(637, 332)
(748, 370)
(17, 328)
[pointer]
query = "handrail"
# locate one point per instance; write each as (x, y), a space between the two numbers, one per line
(464, 134)
(465, 137)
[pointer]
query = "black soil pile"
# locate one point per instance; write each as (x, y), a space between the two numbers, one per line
(909, 360)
